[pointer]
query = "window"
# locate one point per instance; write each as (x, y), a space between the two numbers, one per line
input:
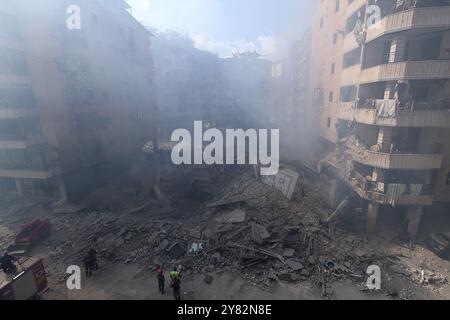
(328, 122)
(335, 38)
(333, 68)
(448, 179)
(318, 97)
(352, 58)
(348, 94)
(330, 96)
(337, 6)
(322, 22)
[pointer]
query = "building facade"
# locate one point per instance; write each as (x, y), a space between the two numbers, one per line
(72, 100)
(380, 81)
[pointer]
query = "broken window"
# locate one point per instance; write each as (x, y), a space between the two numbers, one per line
(424, 48)
(352, 58)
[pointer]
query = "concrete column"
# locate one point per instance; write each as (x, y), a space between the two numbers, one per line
(397, 50)
(412, 221)
(385, 139)
(372, 215)
(19, 186)
(61, 188)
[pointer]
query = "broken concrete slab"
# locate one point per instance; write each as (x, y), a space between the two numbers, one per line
(163, 245)
(285, 181)
(226, 203)
(288, 253)
(259, 233)
(235, 216)
(195, 233)
(294, 264)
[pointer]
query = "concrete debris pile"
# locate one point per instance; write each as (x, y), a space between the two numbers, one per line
(249, 228)
(252, 229)
(419, 274)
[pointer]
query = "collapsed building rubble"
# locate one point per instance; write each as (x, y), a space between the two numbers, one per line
(249, 228)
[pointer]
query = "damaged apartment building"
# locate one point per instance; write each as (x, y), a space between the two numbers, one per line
(73, 101)
(381, 101)
(193, 84)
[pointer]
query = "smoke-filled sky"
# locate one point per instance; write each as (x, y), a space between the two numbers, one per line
(227, 26)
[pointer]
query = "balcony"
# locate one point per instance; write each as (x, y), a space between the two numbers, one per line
(427, 118)
(387, 193)
(408, 70)
(17, 113)
(369, 190)
(423, 18)
(397, 161)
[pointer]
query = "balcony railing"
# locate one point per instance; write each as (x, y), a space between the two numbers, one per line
(419, 114)
(397, 161)
(434, 17)
(408, 70)
(392, 194)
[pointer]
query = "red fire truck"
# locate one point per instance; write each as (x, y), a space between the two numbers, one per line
(28, 282)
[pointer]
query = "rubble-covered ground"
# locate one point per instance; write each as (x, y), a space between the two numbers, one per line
(234, 236)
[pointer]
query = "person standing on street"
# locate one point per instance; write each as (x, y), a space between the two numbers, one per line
(161, 279)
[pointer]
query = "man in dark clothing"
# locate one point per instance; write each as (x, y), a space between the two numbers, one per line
(90, 262)
(6, 263)
(93, 254)
(161, 279)
(176, 288)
